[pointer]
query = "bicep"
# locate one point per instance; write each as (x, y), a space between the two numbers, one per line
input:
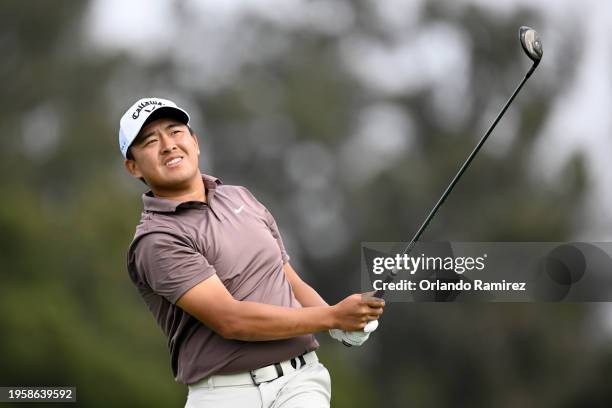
(210, 302)
(174, 269)
(303, 292)
(292, 276)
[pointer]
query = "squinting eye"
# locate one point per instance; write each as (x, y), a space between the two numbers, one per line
(150, 141)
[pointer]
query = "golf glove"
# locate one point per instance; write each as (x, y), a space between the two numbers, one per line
(354, 338)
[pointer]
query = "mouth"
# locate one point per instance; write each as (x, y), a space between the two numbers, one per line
(173, 162)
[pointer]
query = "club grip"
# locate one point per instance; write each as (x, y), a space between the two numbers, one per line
(381, 293)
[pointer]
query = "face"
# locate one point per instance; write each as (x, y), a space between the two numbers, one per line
(166, 155)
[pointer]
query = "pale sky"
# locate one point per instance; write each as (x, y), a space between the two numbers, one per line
(580, 118)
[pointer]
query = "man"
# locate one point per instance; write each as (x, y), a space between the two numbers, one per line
(210, 264)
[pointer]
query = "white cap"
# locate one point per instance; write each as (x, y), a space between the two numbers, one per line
(145, 111)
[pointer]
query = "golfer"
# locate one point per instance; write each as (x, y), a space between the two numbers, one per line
(209, 262)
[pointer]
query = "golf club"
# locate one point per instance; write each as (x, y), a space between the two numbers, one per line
(533, 48)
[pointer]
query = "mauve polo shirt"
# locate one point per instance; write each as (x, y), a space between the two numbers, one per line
(180, 244)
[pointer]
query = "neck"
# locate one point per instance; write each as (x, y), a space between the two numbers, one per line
(195, 191)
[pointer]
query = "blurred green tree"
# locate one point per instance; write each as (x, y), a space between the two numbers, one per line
(281, 126)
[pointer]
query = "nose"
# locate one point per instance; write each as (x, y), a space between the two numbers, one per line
(167, 144)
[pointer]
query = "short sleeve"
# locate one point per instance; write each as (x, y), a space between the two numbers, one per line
(169, 265)
(277, 236)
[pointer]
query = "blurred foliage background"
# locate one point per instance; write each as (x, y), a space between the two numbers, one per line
(347, 119)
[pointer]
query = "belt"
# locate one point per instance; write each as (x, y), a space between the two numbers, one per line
(260, 375)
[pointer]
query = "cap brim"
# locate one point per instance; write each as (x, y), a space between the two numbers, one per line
(167, 112)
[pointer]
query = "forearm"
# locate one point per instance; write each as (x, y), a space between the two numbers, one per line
(307, 296)
(304, 293)
(251, 321)
(211, 303)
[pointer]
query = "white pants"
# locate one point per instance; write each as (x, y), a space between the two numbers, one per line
(308, 387)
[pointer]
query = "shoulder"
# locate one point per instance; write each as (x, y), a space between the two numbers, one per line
(230, 189)
(239, 191)
(156, 230)
(226, 189)
(238, 194)
(153, 248)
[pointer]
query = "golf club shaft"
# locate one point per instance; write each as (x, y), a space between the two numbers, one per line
(391, 276)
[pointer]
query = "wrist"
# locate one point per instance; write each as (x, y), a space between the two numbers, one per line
(331, 322)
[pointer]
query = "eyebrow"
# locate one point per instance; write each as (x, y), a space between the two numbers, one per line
(140, 139)
(173, 125)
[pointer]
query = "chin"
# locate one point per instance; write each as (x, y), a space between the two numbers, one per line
(180, 176)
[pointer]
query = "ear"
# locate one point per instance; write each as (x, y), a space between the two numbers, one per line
(132, 168)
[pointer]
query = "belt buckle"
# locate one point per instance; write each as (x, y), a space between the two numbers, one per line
(252, 374)
(277, 367)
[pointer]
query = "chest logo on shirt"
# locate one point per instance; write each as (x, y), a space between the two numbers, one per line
(239, 209)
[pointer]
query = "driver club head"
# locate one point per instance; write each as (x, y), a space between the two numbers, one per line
(530, 40)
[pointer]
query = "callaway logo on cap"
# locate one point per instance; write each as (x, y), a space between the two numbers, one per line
(145, 111)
